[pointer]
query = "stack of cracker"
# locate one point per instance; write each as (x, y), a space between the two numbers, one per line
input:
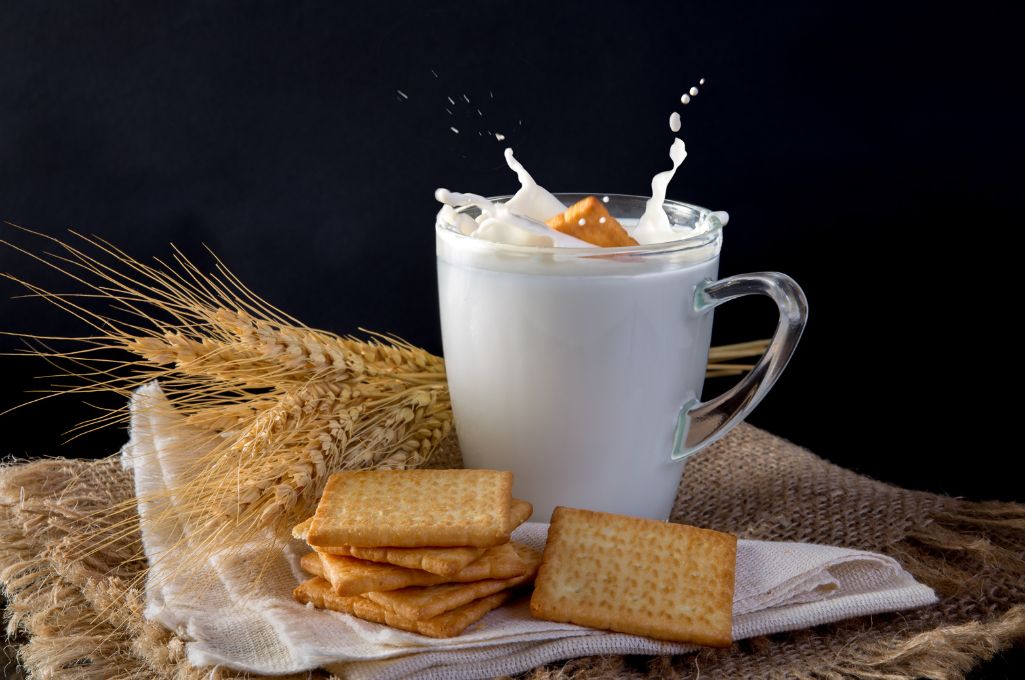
(426, 551)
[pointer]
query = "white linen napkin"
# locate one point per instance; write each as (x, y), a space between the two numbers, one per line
(236, 610)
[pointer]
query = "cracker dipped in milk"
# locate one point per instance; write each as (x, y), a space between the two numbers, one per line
(576, 331)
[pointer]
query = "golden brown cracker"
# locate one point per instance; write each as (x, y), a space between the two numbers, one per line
(639, 576)
(413, 508)
(589, 220)
(519, 512)
(500, 561)
(351, 576)
(443, 561)
(428, 602)
(311, 564)
(302, 528)
(317, 591)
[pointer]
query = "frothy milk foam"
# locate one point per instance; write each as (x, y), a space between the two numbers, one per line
(567, 366)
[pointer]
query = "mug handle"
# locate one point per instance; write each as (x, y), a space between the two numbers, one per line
(701, 423)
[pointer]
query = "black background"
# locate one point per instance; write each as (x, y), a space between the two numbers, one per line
(873, 152)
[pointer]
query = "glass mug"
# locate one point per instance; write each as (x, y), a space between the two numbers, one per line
(580, 369)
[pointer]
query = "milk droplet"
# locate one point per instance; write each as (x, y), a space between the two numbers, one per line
(499, 136)
(434, 73)
(674, 122)
(701, 82)
(492, 94)
(693, 92)
(454, 130)
(450, 112)
(604, 199)
(581, 221)
(685, 99)
(451, 101)
(601, 220)
(466, 98)
(402, 94)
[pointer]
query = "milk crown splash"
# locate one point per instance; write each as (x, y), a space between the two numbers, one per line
(531, 200)
(520, 220)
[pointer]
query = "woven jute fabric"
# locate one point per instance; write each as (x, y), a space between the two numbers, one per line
(78, 617)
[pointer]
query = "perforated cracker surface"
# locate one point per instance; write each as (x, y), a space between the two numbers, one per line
(413, 508)
(639, 576)
(443, 561)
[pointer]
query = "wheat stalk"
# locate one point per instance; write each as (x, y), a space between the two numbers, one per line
(285, 404)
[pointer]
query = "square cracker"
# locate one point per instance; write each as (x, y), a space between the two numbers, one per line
(589, 220)
(519, 512)
(317, 592)
(413, 508)
(639, 576)
(443, 561)
(426, 603)
(351, 576)
(301, 529)
(440, 561)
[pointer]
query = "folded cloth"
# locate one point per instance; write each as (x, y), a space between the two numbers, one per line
(236, 609)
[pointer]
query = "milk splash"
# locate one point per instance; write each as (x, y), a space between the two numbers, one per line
(654, 225)
(518, 221)
(531, 200)
(521, 219)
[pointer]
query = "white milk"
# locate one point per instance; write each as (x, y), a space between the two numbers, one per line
(567, 363)
(572, 372)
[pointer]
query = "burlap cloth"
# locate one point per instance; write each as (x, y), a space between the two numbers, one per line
(83, 618)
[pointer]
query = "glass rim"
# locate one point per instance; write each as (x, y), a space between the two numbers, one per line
(691, 242)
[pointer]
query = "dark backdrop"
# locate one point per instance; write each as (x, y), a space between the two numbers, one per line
(871, 151)
(868, 151)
